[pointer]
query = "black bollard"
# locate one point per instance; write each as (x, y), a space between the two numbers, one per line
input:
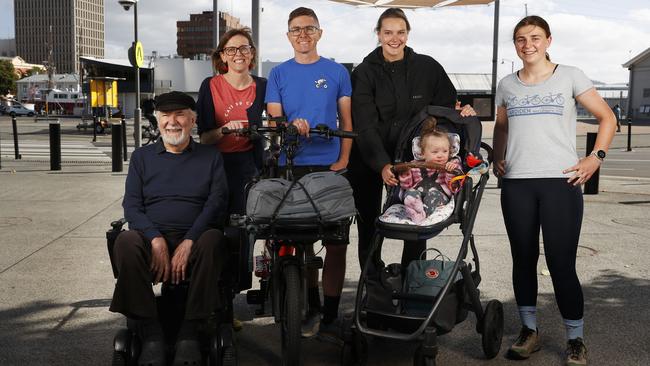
(591, 187)
(629, 134)
(116, 146)
(123, 123)
(14, 127)
(94, 128)
(55, 145)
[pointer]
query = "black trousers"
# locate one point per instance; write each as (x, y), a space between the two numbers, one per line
(368, 187)
(240, 170)
(134, 295)
(556, 207)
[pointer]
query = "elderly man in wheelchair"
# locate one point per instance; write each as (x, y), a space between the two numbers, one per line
(175, 195)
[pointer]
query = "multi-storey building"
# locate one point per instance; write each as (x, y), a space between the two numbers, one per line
(71, 28)
(195, 37)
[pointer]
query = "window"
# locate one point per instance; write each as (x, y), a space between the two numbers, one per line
(644, 109)
(646, 93)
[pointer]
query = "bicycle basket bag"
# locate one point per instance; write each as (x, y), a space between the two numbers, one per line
(319, 197)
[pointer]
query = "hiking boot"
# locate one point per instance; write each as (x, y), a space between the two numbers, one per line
(310, 325)
(526, 344)
(331, 332)
(576, 352)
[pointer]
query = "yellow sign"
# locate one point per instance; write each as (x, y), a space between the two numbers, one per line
(139, 54)
(103, 93)
(136, 54)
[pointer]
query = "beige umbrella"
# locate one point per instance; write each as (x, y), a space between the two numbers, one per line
(414, 4)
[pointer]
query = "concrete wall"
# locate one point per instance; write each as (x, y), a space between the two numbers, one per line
(640, 79)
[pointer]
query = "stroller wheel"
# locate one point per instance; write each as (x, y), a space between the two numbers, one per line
(492, 328)
(119, 359)
(420, 359)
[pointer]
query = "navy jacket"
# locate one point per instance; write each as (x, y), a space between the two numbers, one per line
(168, 192)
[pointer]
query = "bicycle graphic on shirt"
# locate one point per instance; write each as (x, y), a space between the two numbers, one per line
(534, 100)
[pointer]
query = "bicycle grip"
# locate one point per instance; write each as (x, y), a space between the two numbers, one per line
(344, 134)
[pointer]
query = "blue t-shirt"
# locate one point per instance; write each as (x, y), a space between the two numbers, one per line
(311, 91)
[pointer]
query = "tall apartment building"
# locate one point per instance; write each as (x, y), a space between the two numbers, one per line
(195, 37)
(77, 29)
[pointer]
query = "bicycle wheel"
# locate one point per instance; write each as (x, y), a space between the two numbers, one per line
(291, 315)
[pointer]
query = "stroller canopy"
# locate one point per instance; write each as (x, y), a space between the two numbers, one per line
(468, 128)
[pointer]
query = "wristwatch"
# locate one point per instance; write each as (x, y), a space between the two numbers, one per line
(599, 154)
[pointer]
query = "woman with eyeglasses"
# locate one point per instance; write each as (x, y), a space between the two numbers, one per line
(233, 98)
(390, 86)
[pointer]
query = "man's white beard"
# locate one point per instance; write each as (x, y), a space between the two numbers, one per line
(174, 140)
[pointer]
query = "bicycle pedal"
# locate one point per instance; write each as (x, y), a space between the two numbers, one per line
(314, 262)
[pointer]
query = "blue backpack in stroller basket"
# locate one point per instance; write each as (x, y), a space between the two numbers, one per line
(428, 297)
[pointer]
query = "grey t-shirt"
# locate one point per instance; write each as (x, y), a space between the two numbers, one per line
(542, 123)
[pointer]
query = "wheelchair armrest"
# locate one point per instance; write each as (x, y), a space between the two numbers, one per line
(111, 235)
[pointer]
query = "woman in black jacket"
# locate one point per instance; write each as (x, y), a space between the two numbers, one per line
(390, 86)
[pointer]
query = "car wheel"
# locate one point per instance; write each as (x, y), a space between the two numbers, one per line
(30, 114)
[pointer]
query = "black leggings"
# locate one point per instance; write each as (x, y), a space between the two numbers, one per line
(557, 207)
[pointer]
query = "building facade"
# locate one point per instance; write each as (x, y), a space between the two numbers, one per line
(194, 37)
(8, 47)
(71, 28)
(639, 92)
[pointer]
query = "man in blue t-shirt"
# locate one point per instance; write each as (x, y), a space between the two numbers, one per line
(312, 90)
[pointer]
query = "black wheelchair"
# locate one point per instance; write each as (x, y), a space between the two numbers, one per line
(216, 336)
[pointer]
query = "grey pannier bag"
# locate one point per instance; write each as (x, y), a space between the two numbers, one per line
(318, 198)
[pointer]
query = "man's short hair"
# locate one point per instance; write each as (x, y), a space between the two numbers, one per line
(302, 11)
(174, 101)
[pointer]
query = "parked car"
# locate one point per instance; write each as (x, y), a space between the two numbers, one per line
(18, 110)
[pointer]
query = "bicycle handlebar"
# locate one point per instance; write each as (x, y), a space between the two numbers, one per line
(290, 130)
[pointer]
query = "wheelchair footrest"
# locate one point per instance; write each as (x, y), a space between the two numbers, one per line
(314, 262)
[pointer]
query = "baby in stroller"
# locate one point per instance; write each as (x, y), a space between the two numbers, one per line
(428, 188)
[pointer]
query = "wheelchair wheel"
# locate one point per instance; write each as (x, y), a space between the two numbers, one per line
(291, 316)
(492, 328)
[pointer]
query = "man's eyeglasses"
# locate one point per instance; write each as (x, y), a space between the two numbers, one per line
(244, 50)
(309, 30)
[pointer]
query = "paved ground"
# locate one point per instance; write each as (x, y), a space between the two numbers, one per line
(56, 281)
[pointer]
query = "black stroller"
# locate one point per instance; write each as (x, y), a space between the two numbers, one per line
(384, 307)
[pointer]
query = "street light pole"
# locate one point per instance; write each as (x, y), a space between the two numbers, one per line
(138, 113)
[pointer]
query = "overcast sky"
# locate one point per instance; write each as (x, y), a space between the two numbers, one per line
(595, 35)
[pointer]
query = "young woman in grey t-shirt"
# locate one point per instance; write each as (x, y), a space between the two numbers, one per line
(535, 154)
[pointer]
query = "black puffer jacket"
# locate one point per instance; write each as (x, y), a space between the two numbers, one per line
(384, 99)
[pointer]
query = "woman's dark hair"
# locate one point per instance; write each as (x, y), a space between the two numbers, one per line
(392, 13)
(302, 11)
(430, 129)
(534, 20)
(218, 64)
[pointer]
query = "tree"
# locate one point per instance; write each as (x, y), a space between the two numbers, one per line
(33, 71)
(7, 78)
